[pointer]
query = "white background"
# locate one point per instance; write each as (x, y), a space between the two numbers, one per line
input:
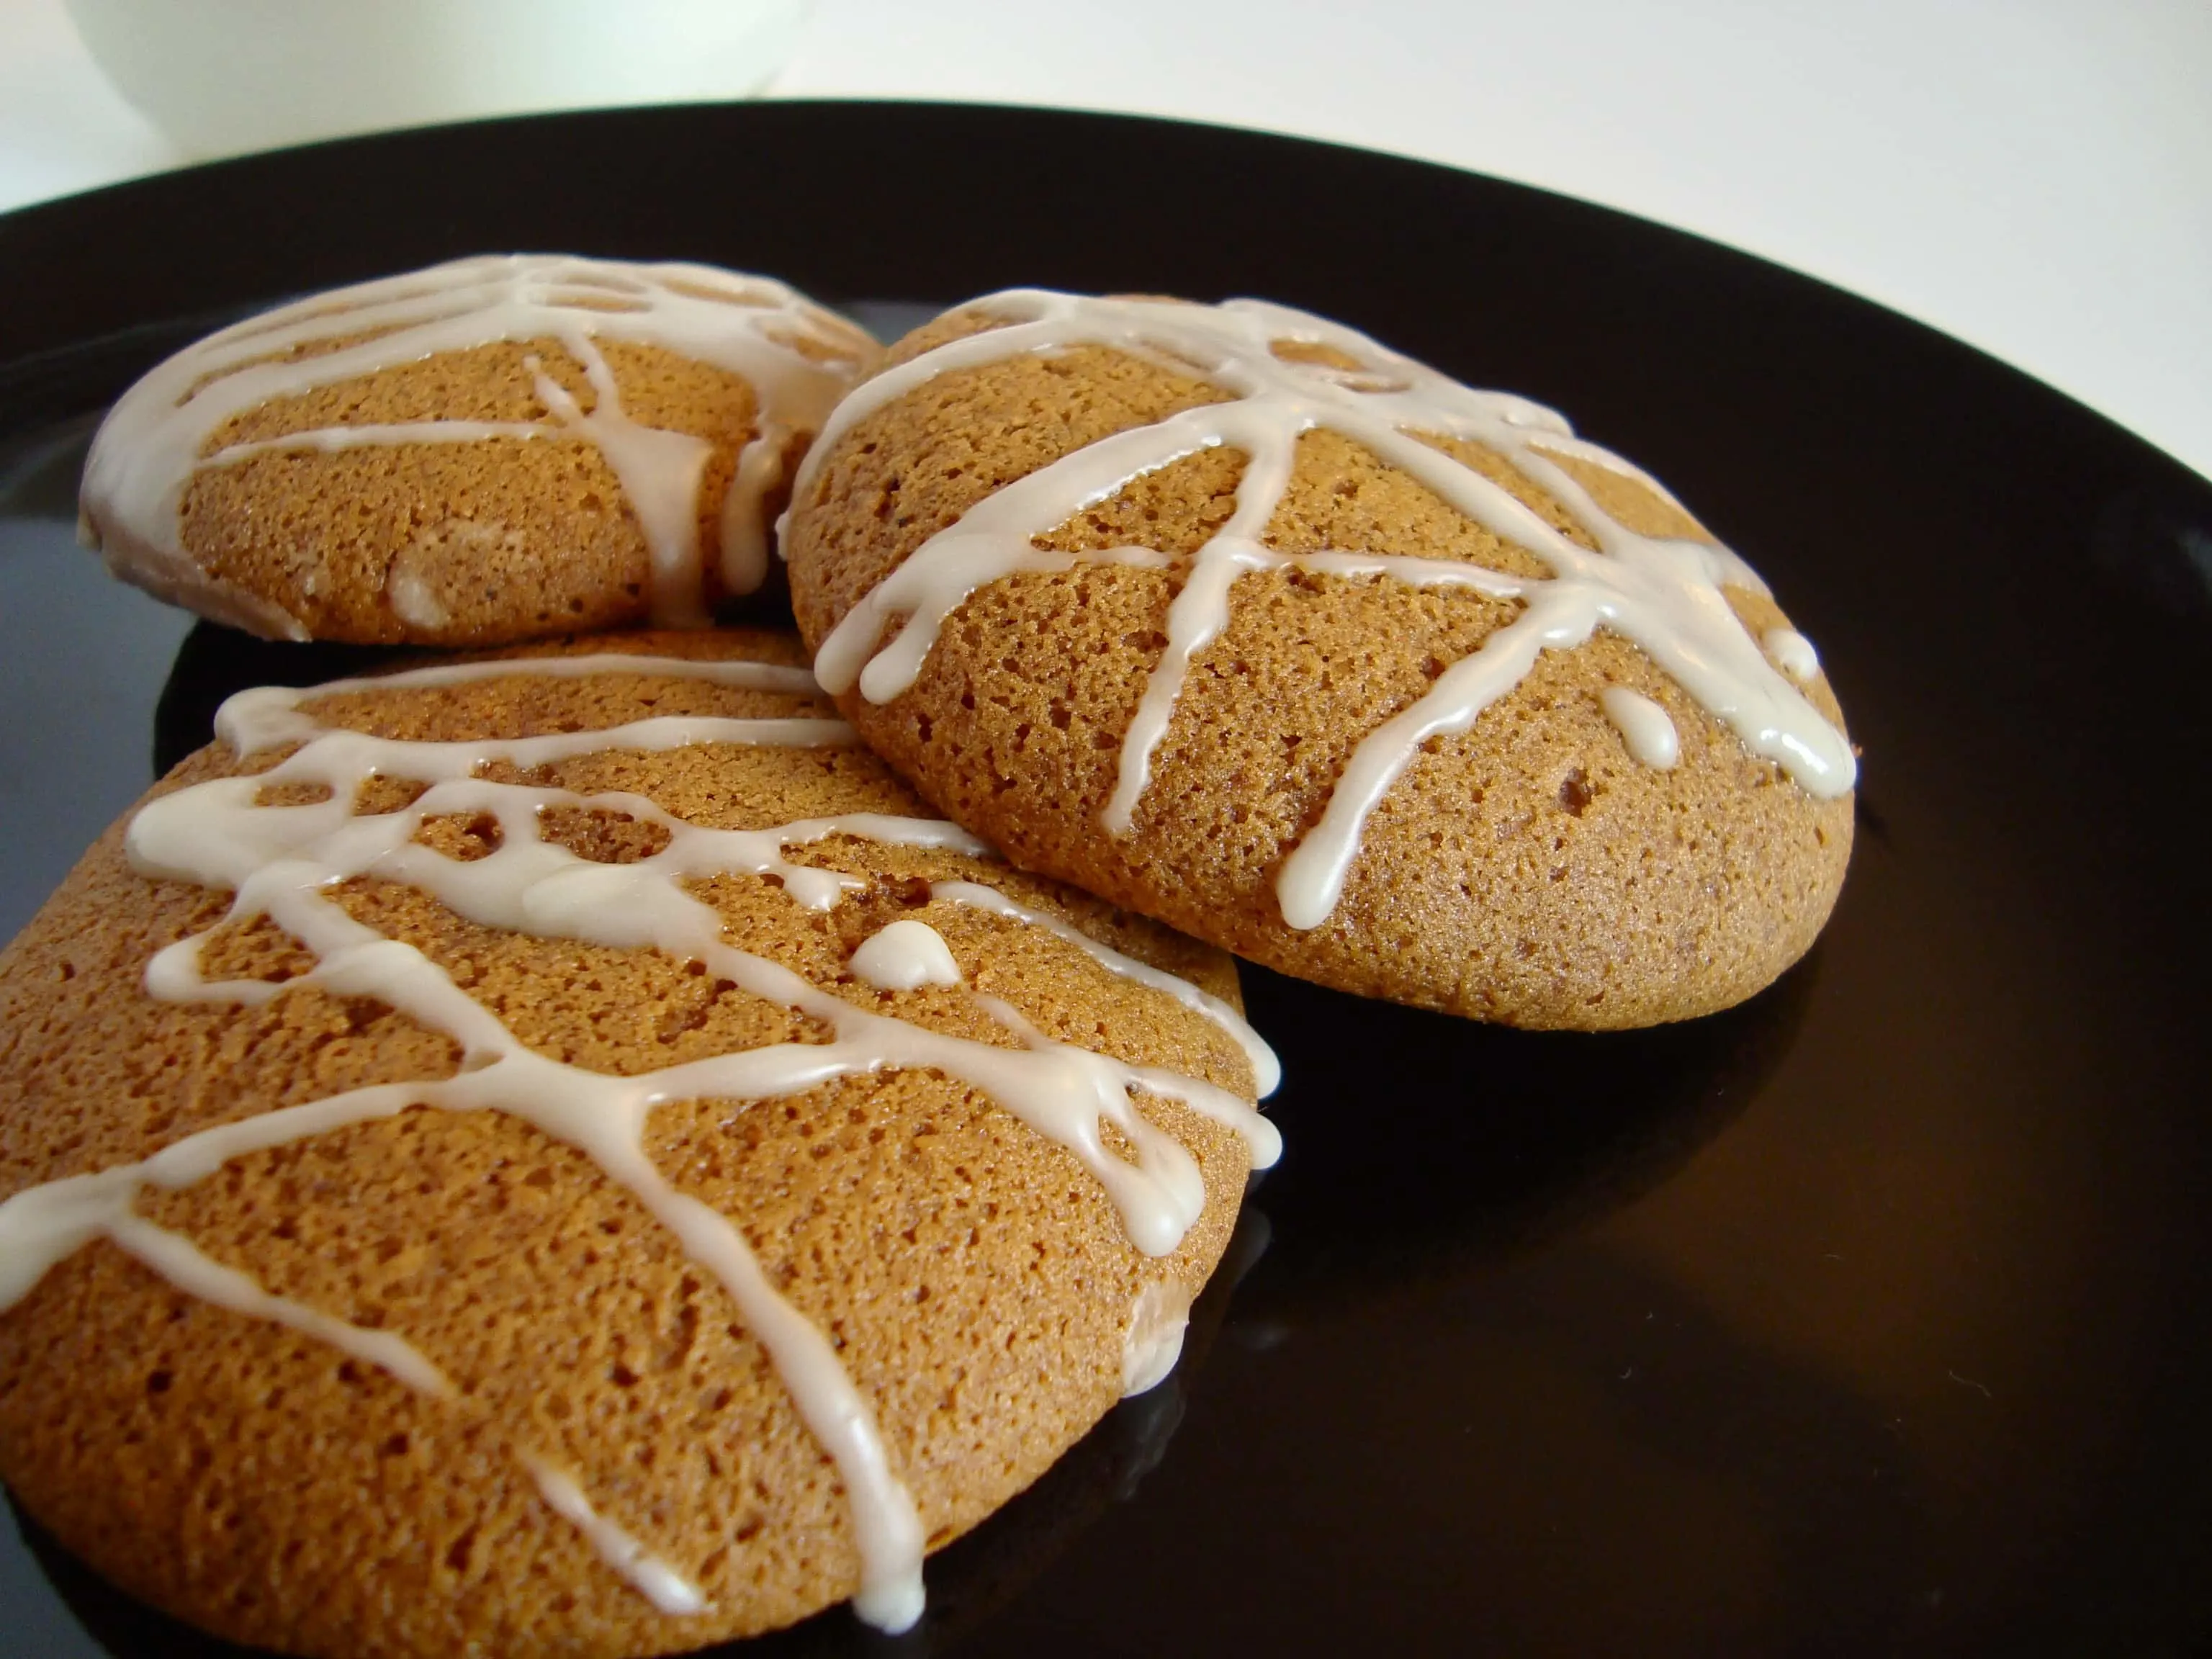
(2034, 176)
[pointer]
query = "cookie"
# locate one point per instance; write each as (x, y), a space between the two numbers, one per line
(1244, 622)
(495, 449)
(560, 1153)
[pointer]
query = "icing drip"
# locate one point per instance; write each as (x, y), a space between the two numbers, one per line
(155, 440)
(1266, 1070)
(659, 1582)
(1153, 1343)
(1664, 595)
(904, 956)
(1792, 653)
(56, 1220)
(744, 515)
(1644, 727)
(282, 861)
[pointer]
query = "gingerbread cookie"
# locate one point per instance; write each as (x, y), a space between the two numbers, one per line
(1240, 619)
(560, 1153)
(495, 449)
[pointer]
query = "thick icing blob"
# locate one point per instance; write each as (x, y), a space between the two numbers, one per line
(1665, 595)
(281, 861)
(797, 358)
(1792, 651)
(1644, 727)
(904, 956)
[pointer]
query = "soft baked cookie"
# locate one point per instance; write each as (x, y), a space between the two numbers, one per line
(1240, 619)
(494, 449)
(556, 1154)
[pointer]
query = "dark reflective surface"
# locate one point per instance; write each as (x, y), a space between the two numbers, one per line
(1426, 1150)
(1867, 1318)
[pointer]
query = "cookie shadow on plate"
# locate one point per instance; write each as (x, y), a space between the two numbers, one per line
(1418, 1147)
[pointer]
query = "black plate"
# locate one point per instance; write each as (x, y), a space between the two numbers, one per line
(1868, 1318)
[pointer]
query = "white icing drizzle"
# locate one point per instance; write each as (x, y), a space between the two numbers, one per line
(745, 519)
(1266, 1070)
(904, 956)
(180, 1261)
(1162, 1191)
(1792, 653)
(1153, 1342)
(1664, 595)
(282, 861)
(793, 681)
(156, 440)
(659, 1582)
(1644, 727)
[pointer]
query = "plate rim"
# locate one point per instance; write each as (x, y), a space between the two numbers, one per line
(28, 232)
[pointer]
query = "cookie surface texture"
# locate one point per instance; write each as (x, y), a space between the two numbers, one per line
(495, 449)
(1240, 619)
(566, 1154)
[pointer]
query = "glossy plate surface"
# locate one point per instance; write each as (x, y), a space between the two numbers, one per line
(1867, 1318)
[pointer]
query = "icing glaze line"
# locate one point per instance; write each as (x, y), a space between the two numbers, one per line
(1664, 595)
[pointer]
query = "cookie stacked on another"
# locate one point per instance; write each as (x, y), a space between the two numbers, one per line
(1236, 618)
(564, 1153)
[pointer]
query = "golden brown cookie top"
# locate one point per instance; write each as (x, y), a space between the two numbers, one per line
(1260, 551)
(472, 422)
(596, 901)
